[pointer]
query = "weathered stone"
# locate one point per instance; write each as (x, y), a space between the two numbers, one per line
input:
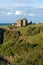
(22, 22)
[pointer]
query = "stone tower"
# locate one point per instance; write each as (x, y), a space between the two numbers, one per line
(19, 22)
(24, 20)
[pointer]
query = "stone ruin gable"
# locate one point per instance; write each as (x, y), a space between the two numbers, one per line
(24, 22)
(19, 22)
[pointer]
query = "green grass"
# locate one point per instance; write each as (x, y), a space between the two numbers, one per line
(23, 45)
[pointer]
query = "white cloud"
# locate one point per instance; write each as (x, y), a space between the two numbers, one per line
(6, 13)
(41, 6)
(31, 14)
(9, 13)
(18, 12)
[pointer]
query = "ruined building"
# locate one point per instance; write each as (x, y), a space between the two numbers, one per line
(19, 22)
(22, 22)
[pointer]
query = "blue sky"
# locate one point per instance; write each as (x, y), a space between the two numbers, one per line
(12, 10)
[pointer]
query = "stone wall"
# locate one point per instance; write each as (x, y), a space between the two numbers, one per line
(21, 22)
(24, 22)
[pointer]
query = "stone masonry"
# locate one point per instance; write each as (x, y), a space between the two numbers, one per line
(22, 22)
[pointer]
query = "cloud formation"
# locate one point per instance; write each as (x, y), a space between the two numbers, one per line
(18, 12)
(31, 14)
(32, 9)
(18, 3)
(40, 6)
(9, 13)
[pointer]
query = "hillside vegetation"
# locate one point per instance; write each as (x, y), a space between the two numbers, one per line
(22, 45)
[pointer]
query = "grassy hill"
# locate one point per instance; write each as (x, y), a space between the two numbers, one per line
(22, 45)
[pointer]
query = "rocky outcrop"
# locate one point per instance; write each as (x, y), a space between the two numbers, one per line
(2, 35)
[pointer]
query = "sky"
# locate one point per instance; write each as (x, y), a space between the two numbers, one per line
(12, 10)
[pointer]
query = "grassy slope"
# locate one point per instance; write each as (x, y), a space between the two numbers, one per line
(23, 45)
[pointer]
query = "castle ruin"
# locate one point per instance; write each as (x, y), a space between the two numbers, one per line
(22, 22)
